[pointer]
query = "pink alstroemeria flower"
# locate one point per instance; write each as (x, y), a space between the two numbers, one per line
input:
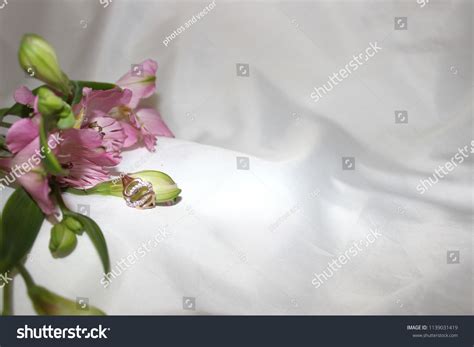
(93, 111)
(23, 141)
(81, 153)
(144, 123)
(98, 106)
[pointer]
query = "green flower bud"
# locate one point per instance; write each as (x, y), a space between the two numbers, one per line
(166, 190)
(72, 224)
(48, 102)
(38, 58)
(49, 105)
(62, 241)
(51, 304)
(66, 123)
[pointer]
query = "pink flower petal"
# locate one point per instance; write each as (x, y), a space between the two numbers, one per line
(132, 134)
(141, 82)
(79, 141)
(24, 96)
(84, 174)
(149, 141)
(5, 164)
(111, 131)
(83, 155)
(150, 119)
(99, 102)
(26, 166)
(21, 133)
(87, 144)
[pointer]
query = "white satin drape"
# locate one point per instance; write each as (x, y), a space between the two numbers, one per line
(251, 241)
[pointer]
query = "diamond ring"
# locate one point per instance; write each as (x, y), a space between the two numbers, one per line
(138, 193)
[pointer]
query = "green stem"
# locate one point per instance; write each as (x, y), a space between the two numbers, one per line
(49, 159)
(3, 112)
(3, 144)
(8, 299)
(59, 198)
(77, 191)
(26, 276)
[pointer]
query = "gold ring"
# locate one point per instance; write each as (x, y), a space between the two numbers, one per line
(138, 193)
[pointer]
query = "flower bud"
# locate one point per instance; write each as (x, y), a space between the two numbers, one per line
(62, 241)
(49, 104)
(72, 224)
(166, 190)
(51, 304)
(38, 58)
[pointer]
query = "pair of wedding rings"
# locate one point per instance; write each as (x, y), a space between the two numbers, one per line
(138, 193)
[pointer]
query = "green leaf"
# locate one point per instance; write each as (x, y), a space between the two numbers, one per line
(3, 146)
(18, 110)
(79, 85)
(21, 222)
(48, 303)
(96, 236)
(3, 112)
